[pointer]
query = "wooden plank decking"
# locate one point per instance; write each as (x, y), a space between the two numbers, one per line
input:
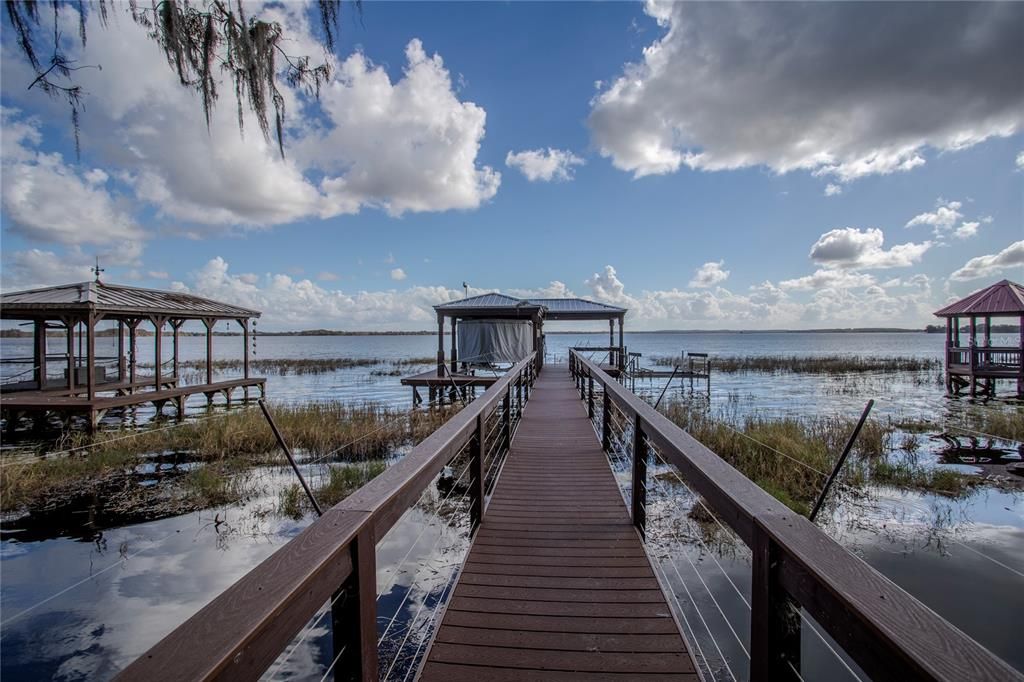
(557, 584)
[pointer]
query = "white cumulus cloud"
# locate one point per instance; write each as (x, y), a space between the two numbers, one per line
(853, 248)
(734, 85)
(544, 164)
(1009, 259)
(709, 274)
(398, 274)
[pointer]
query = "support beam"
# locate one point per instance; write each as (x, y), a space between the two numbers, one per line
(133, 361)
(40, 353)
(90, 355)
(440, 345)
(209, 349)
(622, 343)
(158, 349)
(176, 325)
(455, 350)
(70, 324)
(120, 352)
(244, 323)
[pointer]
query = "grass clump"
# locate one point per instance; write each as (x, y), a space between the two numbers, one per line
(225, 448)
(812, 364)
(790, 458)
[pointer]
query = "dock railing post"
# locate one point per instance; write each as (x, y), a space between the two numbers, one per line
(774, 620)
(590, 397)
(476, 472)
(506, 406)
(354, 615)
(606, 422)
(639, 483)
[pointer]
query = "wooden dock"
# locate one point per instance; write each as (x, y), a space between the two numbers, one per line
(557, 583)
(557, 580)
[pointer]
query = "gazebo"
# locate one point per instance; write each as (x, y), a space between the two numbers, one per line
(89, 385)
(505, 329)
(977, 365)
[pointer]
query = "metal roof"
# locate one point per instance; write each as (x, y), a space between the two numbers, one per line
(1002, 298)
(502, 305)
(576, 305)
(492, 300)
(115, 299)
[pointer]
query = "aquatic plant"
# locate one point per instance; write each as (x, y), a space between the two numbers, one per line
(811, 364)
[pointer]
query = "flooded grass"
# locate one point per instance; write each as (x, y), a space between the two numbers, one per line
(790, 457)
(811, 364)
(301, 366)
(224, 448)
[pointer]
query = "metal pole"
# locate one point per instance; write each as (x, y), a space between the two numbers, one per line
(841, 460)
(675, 368)
(288, 453)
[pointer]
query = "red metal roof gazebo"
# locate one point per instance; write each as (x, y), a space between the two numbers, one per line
(982, 365)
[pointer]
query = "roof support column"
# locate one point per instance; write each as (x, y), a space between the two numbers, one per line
(133, 351)
(244, 323)
(209, 348)
(611, 340)
(440, 345)
(1020, 360)
(120, 351)
(70, 323)
(40, 353)
(158, 349)
(622, 342)
(176, 341)
(90, 355)
(455, 350)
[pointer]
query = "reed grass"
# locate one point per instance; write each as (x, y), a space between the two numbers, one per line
(225, 446)
(790, 458)
(299, 366)
(811, 364)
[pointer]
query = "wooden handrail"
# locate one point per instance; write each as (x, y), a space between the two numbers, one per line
(244, 629)
(888, 632)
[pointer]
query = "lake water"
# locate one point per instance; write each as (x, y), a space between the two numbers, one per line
(77, 603)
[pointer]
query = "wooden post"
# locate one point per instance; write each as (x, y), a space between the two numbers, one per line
(440, 345)
(611, 341)
(209, 348)
(176, 325)
(639, 484)
(988, 331)
(70, 324)
(90, 355)
(244, 322)
(774, 632)
(507, 407)
(622, 344)
(1020, 360)
(455, 350)
(949, 354)
(354, 615)
(606, 422)
(133, 328)
(590, 396)
(120, 352)
(476, 473)
(974, 357)
(39, 353)
(158, 349)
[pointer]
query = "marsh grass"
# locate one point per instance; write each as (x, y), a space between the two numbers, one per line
(790, 458)
(341, 481)
(811, 364)
(226, 447)
(300, 366)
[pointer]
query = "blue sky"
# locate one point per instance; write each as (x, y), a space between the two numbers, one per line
(702, 176)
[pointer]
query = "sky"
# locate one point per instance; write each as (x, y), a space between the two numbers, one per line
(708, 166)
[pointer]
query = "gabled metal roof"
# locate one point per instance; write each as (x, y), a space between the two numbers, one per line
(576, 305)
(115, 299)
(492, 300)
(502, 305)
(1002, 298)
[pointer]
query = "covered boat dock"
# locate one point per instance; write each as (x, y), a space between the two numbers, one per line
(88, 385)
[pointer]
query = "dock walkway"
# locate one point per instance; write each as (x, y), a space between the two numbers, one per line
(557, 584)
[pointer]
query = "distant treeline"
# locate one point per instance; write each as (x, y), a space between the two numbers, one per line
(996, 328)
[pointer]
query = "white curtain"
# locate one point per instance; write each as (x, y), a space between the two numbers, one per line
(482, 341)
